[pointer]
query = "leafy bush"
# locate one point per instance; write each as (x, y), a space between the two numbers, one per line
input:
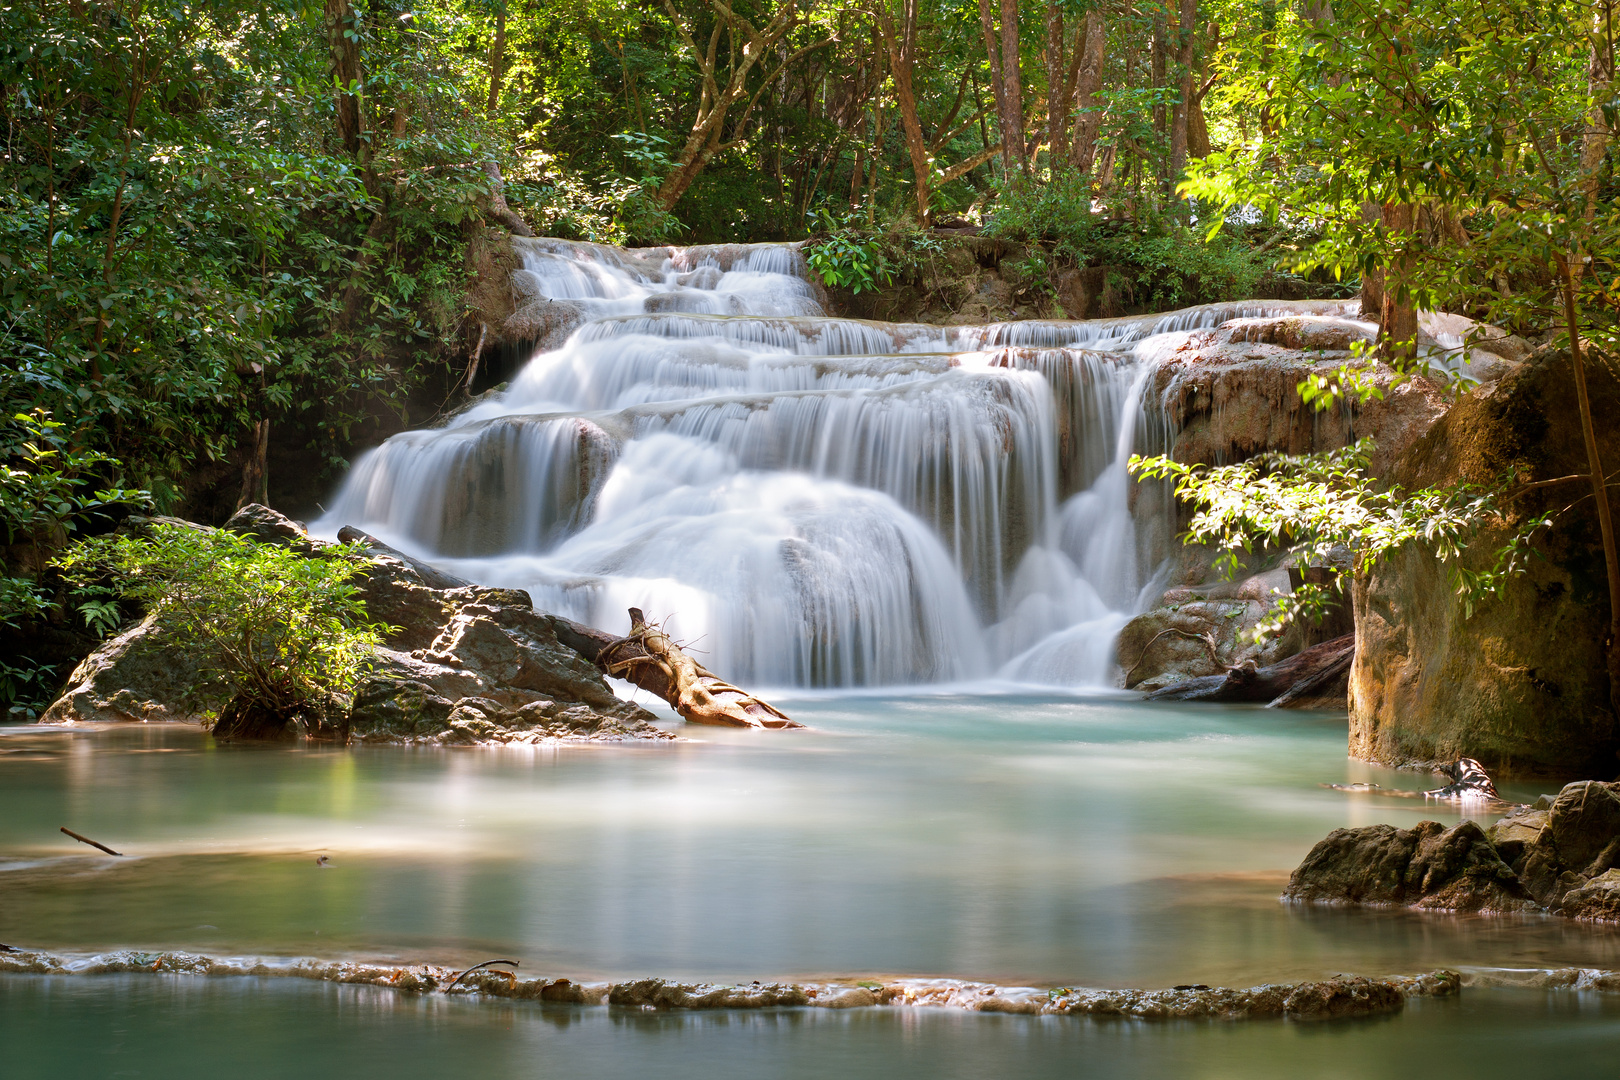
(1158, 260)
(286, 631)
(1312, 504)
(848, 258)
(47, 492)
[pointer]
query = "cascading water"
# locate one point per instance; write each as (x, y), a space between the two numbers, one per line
(806, 500)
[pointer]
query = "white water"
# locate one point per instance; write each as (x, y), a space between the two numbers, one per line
(805, 500)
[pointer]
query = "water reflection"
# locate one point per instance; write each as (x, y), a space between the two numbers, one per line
(1012, 839)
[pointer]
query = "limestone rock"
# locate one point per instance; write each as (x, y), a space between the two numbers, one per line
(1189, 636)
(1339, 999)
(1598, 898)
(460, 664)
(1517, 831)
(1429, 866)
(137, 676)
(1231, 391)
(1520, 685)
(1585, 825)
(266, 526)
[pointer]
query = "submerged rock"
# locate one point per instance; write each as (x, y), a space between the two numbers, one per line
(462, 665)
(1564, 860)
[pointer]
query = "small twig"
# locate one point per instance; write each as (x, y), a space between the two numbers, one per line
(92, 843)
(1208, 639)
(474, 968)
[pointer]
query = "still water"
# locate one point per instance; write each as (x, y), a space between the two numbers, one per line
(1015, 839)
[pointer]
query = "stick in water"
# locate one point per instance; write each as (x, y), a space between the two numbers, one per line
(92, 843)
(475, 967)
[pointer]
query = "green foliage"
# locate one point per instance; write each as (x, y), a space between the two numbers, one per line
(286, 630)
(1156, 259)
(48, 491)
(1313, 506)
(847, 257)
(1474, 128)
(186, 246)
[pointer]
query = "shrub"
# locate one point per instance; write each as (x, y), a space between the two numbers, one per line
(48, 491)
(285, 631)
(1157, 260)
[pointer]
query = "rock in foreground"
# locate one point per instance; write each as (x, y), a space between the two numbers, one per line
(463, 665)
(1343, 997)
(1561, 859)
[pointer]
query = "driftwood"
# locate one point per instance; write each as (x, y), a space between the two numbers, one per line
(1277, 685)
(648, 658)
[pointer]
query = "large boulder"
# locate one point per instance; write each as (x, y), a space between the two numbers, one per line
(137, 676)
(1429, 866)
(1561, 856)
(459, 664)
(1520, 684)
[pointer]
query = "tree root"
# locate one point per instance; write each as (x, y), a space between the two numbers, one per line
(651, 660)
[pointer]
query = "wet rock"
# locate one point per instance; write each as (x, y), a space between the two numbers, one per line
(1585, 825)
(1598, 898)
(1338, 999)
(460, 665)
(1232, 391)
(658, 994)
(1562, 859)
(136, 676)
(1514, 833)
(266, 526)
(1520, 683)
(1191, 635)
(1429, 866)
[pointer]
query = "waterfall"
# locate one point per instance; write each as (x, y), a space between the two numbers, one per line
(806, 501)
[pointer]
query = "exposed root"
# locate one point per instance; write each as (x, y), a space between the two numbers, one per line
(649, 658)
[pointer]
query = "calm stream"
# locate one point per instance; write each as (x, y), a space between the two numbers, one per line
(1016, 839)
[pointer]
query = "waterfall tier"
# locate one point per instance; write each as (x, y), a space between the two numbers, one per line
(806, 500)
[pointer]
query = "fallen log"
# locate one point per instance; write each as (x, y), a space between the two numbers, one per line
(651, 660)
(1278, 685)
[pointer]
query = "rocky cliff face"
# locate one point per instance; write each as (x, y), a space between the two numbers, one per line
(1521, 685)
(1229, 393)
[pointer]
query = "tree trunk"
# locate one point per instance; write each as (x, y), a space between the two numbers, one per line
(1060, 94)
(1397, 318)
(497, 63)
(901, 49)
(498, 209)
(256, 470)
(1158, 51)
(1594, 464)
(1012, 116)
(704, 138)
(1088, 121)
(998, 86)
(1599, 83)
(1181, 115)
(343, 37)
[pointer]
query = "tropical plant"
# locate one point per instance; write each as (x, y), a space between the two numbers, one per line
(49, 490)
(283, 633)
(1312, 507)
